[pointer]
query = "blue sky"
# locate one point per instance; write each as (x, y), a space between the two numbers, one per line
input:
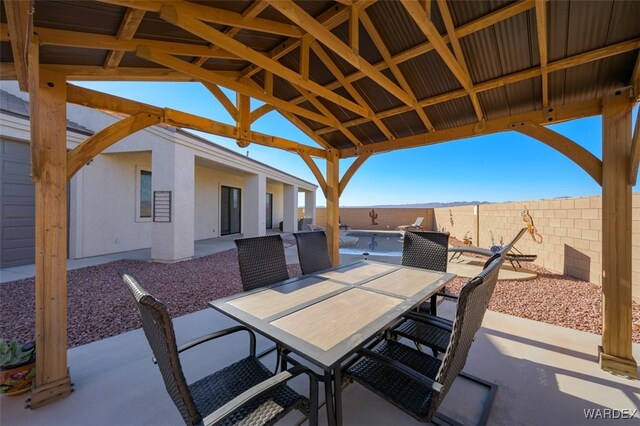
(500, 167)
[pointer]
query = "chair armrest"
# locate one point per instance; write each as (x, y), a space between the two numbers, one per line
(430, 320)
(260, 389)
(403, 369)
(448, 295)
(221, 333)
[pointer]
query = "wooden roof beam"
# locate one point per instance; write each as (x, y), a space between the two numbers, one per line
(466, 29)
(333, 68)
(296, 14)
(128, 28)
(316, 171)
(195, 26)
(19, 15)
(266, 108)
(457, 50)
(222, 98)
(94, 99)
(214, 15)
(558, 65)
(325, 111)
(215, 78)
(541, 25)
(561, 113)
(330, 19)
(364, 156)
(250, 12)
(53, 37)
(386, 55)
(576, 153)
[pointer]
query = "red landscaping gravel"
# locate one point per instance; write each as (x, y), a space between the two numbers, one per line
(100, 306)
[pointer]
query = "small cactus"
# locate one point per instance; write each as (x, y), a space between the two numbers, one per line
(373, 215)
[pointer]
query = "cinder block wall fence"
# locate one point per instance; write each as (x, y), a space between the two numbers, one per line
(570, 229)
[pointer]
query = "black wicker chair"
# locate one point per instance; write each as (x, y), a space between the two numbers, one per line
(312, 251)
(416, 382)
(262, 261)
(245, 390)
(426, 250)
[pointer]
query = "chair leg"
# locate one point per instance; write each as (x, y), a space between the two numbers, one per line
(442, 419)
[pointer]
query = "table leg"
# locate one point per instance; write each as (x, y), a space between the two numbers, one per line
(329, 398)
(337, 383)
(433, 308)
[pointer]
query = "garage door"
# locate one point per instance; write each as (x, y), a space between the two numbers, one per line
(17, 196)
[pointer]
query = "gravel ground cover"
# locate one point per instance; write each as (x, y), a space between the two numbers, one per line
(100, 306)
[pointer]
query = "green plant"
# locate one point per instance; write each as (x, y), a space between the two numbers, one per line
(14, 354)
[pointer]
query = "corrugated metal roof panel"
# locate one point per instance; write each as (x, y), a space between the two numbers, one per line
(341, 113)
(368, 133)
(428, 75)
(381, 100)
(465, 11)
(457, 112)
(400, 36)
(405, 124)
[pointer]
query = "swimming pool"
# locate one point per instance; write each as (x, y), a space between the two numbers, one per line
(372, 242)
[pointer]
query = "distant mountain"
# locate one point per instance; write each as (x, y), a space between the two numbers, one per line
(424, 205)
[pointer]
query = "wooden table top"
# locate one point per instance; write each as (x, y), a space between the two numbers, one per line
(324, 317)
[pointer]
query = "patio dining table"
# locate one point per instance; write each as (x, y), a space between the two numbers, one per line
(327, 316)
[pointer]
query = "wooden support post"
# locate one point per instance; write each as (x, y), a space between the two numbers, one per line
(48, 97)
(616, 355)
(244, 115)
(333, 205)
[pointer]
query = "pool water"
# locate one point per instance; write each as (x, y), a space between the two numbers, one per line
(374, 243)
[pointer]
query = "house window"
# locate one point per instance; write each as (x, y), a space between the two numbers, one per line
(144, 195)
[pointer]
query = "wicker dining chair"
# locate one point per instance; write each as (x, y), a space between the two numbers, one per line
(415, 381)
(262, 261)
(243, 391)
(312, 251)
(426, 250)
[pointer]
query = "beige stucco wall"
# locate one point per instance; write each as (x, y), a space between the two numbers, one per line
(105, 191)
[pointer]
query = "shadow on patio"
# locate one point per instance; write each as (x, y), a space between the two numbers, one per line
(546, 375)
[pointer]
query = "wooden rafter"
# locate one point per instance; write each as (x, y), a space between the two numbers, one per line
(20, 25)
(222, 98)
(250, 12)
(325, 111)
(295, 13)
(304, 57)
(215, 78)
(344, 181)
(333, 68)
(561, 113)
(214, 15)
(316, 172)
(329, 19)
(98, 142)
(440, 45)
(465, 30)
(354, 29)
(558, 65)
(541, 25)
(82, 40)
(386, 55)
(291, 117)
(128, 28)
(576, 153)
(196, 26)
(457, 50)
(94, 99)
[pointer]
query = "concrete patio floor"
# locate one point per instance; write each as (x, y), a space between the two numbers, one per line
(546, 375)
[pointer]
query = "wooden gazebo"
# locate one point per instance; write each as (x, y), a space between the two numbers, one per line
(359, 77)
